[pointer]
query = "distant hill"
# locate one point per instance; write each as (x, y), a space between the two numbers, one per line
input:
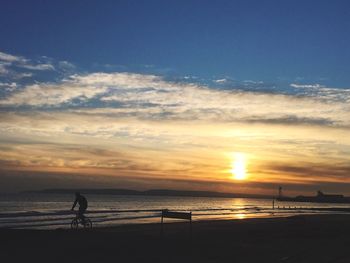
(155, 192)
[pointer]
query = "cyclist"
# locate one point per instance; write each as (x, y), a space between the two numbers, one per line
(83, 204)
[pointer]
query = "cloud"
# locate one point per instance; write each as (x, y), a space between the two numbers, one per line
(3, 68)
(84, 87)
(51, 94)
(8, 86)
(21, 75)
(147, 96)
(66, 66)
(220, 80)
(292, 120)
(313, 171)
(11, 58)
(43, 66)
(17, 67)
(253, 82)
(311, 86)
(323, 93)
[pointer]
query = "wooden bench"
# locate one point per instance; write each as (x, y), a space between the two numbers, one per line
(177, 215)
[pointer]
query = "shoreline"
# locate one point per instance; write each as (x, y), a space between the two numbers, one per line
(151, 220)
(62, 218)
(300, 238)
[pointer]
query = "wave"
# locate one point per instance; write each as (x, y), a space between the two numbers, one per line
(56, 222)
(67, 212)
(40, 219)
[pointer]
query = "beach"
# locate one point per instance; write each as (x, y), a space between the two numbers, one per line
(302, 238)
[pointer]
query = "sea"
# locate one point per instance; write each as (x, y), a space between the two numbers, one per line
(52, 211)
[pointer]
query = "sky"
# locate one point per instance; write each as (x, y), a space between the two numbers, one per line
(228, 96)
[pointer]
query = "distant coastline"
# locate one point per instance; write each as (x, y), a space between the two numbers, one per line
(153, 192)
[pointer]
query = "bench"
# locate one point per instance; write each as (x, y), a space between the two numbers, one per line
(177, 215)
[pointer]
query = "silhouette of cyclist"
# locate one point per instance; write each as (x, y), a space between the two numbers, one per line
(83, 204)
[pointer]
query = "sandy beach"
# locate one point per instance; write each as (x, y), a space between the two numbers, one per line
(309, 238)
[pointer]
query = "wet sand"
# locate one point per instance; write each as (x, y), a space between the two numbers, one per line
(314, 238)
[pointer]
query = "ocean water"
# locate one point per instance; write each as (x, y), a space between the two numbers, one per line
(42, 211)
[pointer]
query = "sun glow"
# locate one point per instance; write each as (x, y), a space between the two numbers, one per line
(240, 216)
(239, 171)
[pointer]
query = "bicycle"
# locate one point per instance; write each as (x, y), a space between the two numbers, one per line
(87, 224)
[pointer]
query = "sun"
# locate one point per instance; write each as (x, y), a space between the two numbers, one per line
(239, 170)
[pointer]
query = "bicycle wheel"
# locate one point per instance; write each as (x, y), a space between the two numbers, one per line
(74, 224)
(88, 223)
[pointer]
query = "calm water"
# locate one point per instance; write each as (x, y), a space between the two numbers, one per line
(53, 211)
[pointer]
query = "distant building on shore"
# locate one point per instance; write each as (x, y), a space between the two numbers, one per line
(320, 197)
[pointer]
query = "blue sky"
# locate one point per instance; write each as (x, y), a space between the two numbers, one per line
(273, 41)
(175, 94)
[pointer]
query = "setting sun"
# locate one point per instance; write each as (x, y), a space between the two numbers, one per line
(239, 167)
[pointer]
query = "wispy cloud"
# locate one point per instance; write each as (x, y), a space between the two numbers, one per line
(153, 97)
(224, 80)
(18, 67)
(66, 66)
(8, 86)
(312, 86)
(43, 66)
(11, 58)
(3, 68)
(313, 172)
